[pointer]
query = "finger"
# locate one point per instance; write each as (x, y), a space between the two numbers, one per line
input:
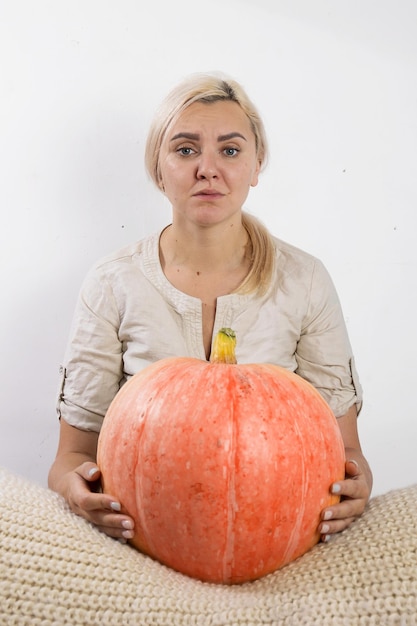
(124, 531)
(89, 471)
(345, 510)
(337, 520)
(92, 502)
(354, 488)
(102, 510)
(85, 502)
(105, 512)
(98, 510)
(328, 529)
(352, 468)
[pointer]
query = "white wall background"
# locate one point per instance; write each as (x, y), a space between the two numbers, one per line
(336, 83)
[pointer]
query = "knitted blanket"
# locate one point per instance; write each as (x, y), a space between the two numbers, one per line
(57, 570)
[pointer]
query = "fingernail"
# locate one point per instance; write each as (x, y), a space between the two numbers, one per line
(92, 471)
(328, 515)
(354, 462)
(336, 488)
(326, 538)
(325, 529)
(128, 534)
(127, 524)
(115, 506)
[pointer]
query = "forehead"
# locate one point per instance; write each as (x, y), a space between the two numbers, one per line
(223, 117)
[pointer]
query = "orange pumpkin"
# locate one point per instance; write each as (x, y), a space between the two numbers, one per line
(225, 468)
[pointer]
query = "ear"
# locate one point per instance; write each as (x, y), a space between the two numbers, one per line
(255, 176)
(161, 185)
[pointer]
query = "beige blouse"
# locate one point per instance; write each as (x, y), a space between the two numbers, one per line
(129, 315)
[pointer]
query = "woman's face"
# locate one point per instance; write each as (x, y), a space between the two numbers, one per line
(208, 162)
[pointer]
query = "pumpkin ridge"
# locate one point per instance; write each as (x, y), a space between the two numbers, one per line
(293, 540)
(228, 560)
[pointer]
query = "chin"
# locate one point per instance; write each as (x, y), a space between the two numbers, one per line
(211, 215)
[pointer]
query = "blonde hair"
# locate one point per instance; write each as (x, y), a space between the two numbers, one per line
(212, 88)
(262, 259)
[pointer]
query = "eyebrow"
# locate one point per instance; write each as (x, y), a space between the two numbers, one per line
(196, 136)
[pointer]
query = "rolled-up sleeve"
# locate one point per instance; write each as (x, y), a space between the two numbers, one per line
(324, 354)
(92, 370)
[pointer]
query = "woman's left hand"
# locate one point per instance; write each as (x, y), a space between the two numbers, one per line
(354, 494)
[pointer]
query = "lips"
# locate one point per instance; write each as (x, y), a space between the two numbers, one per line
(209, 193)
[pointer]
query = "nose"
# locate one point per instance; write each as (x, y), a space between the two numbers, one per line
(207, 167)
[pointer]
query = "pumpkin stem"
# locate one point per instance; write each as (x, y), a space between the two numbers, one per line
(224, 347)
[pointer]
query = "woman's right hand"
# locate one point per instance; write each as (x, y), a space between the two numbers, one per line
(102, 510)
(76, 476)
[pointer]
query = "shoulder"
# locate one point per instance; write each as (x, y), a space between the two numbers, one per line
(128, 255)
(301, 275)
(122, 271)
(291, 260)
(291, 252)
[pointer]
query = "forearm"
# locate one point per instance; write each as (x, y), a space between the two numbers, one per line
(353, 451)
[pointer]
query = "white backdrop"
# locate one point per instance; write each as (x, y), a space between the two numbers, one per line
(336, 83)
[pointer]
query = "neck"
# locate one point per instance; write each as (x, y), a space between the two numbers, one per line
(216, 248)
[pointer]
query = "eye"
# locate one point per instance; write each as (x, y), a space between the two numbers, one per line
(185, 151)
(231, 152)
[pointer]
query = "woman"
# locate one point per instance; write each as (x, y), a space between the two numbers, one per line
(213, 266)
